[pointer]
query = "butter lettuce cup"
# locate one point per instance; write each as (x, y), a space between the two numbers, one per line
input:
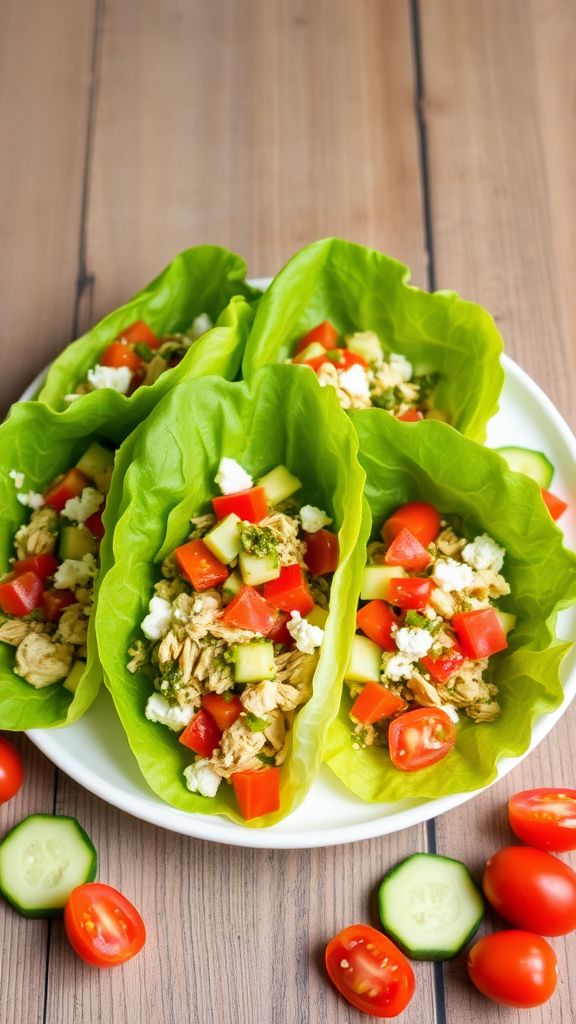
(191, 317)
(350, 314)
(225, 622)
(456, 652)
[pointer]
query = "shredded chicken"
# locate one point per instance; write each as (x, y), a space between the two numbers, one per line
(445, 604)
(73, 625)
(139, 653)
(285, 530)
(238, 748)
(169, 589)
(488, 584)
(328, 377)
(449, 543)
(423, 692)
(170, 568)
(260, 698)
(40, 661)
(484, 711)
(39, 536)
(275, 731)
(201, 525)
(13, 631)
(297, 669)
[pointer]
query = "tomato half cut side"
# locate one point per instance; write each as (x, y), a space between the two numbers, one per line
(102, 926)
(545, 818)
(370, 971)
(420, 738)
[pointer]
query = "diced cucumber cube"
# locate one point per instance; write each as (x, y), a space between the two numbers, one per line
(311, 351)
(74, 676)
(224, 540)
(376, 581)
(233, 584)
(75, 542)
(254, 661)
(97, 464)
(506, 620)
(365, 661)
(258, 569)
(318, 616)
(365, 344)
(279, 484)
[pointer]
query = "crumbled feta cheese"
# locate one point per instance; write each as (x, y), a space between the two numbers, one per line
(451, 712)
(413, 641)
(18, 478)
(158, 619)
(116, 377)
(80, 509)
(402, 366)
(450, 575)
(313, 519)
(75, 572)
(397, 667)
(484, 553)
(355, 381)
(158, 709)
(201, 778)
(307, 636)
(200, 325)
(231, 477)
(30, 498)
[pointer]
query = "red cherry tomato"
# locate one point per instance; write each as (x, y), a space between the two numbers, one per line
(102, 926)
(325, 334)
(376, 619)
(224, 712)
(370, 971)
(532, 889)
(479, 633)
(119, 353)
(420, 738)
(11, 771)
(545, 818)
(202, 734)
(422, 519)
(412, 592)
(555, 505)
(514, 968)
(407, 551)
(249, 610)
(410, 416)
(322, 552)
(139, 332)
(200, 566)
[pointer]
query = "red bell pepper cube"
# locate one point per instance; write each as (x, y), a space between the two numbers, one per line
(325, 334)
(422, 519)
(201, 735)
(279, 633)
(200, 566)
(410, 416)
(21, 594)
(374, 703)
(119, 353)
(44, 565)
(55, 601)
(410, 592)
(251, 505)
(290, 591)
(69, 486)
(407, 551)
(249, 610)
(376, 619)
(139, 332)
(445, 666)
(555, 505)
(479, 633)
(223, 711)
(257, 791)
(322, 552)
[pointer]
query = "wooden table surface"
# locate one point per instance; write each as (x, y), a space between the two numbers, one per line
(442, 132)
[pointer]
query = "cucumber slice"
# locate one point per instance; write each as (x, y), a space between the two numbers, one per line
(365, 344)
(224, 540)
(41, 860)
(430, 906)
(533, 464)
(74, 676)
(318, 616)
(376, 581)
(312, 351)
(233, 585)
(279, 484)
(258, 569)
(75, 542)
(254, 661)
(97, 464)
(365, 664)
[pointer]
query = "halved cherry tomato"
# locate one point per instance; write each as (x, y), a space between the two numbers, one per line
(376, 619)
(70, 485)
(374, 703)
(95, 524)
(55, 601)
(325, 334)
(443, 668)
(200, 566)
(545, 818)
(555, 505)
(201, 735)
(532, 889)
(370, 971)
(21, 594)
(410, 592)
(102, 926)
(279, 633)
(322, 552)
(11, 771)
(42, 565)
(224, 712)
(420, 738)
(139, 332)
(251, 505)
(479, 633)
(257, 791)
(514, 968)
(290, 591)
(422, 519)
(407, 551)
(120, 354)
(249, 610)
(410, 416)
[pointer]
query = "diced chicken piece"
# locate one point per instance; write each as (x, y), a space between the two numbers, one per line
(139, 653)
(238, 747)
(261, 698)
(40, 661)
(445, 604)
(484, 711)
(13, 631)
(488, 584)
(39, 536)
(201, 525)
(154, 369)
(289, 697)
(448, 542)
(275, 731)
(424, 692)
(285, 530)
(73, 625)
(297, 669)
(212, 671)
(170, 648)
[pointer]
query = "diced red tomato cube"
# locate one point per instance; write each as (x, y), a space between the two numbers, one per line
(21, 594)
(95, 524)
(376, 619)
(139, 332)
(44, 565)
(290, 591)
(374, 703)
(257, 791)
(410, 416)
(325, 334)
(251, 505)
(346, 358)
(55, 601)
(279, 633)
(69, 486)
(200, 566)
(422, 519)
(201, 735)
(322, 552)
(555, 505)
(445, 665)
(407, 551)
(249, 610)
(224, 711)
(410, 592)
(119, 353)
(479, 633)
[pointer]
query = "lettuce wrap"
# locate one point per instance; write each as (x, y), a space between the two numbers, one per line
(200, 280)
(360, 289)
(433, 463)
(280, 417)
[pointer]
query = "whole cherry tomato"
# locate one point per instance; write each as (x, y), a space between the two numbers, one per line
(532, 889)
(514, 968)
(11, 770)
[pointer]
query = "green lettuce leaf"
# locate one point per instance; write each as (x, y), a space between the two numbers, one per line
(200, 280)
(359, 289)
(431, 462)
(282, 416)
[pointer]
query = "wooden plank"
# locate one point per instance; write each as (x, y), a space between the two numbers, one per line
(45, 64)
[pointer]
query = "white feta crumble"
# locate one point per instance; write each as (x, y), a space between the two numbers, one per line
(413, 641)
(200, 325)
(158, 619)
(231, 477)
(355, 381)
(449, 575)
(484, 553)
(116, 377)
(402, 366)
(30, 498)
(201, 778)
(398, 667)
(18, 479)
(313, 519)
(158, 709)
(451, 712)
(80, 509)
(75, 572)
(307, 636)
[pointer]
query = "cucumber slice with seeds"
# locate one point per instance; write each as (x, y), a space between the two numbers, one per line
(533, 464)
(431, 906)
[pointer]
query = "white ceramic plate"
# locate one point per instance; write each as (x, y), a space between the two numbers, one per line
(95, 752)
